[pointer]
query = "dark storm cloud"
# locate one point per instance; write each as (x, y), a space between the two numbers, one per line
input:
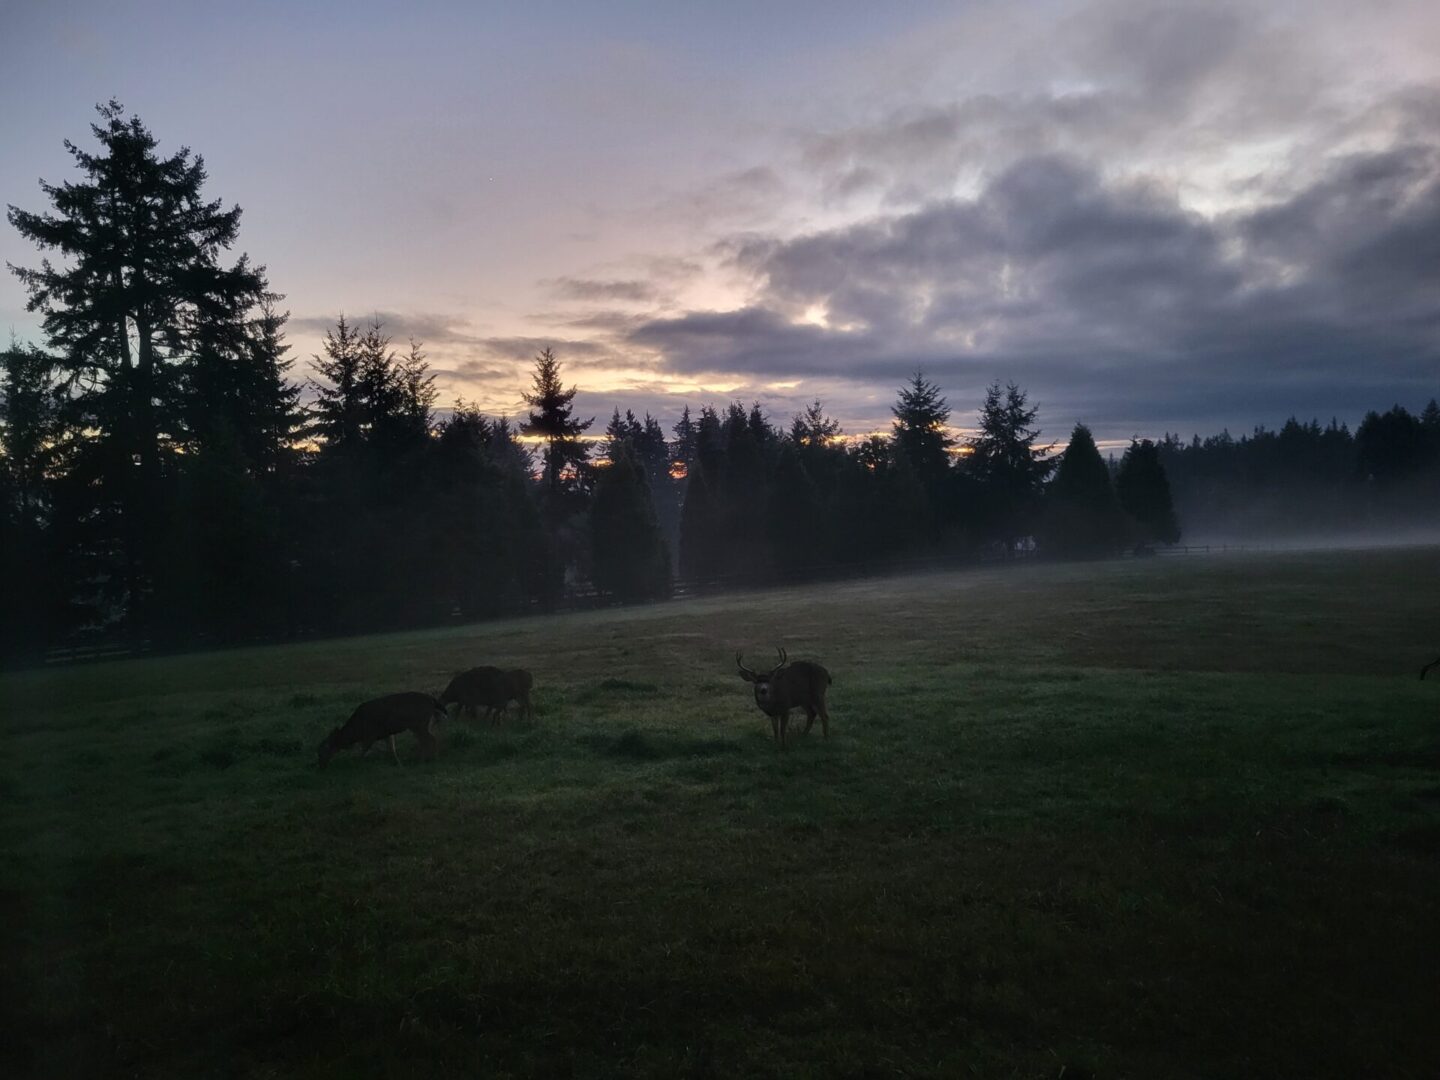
(1108, 298)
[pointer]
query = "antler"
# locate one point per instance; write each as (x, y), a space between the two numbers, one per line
(784, 659)
(743, 669)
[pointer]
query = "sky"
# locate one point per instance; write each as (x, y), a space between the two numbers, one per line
(1153, 217)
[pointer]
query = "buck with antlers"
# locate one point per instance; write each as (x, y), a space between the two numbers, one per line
(786, 686)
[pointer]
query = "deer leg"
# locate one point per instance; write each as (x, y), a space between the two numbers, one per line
(775, 729)
(824, 721)
(393, 754)
(784, 723)
(366, 748)
(809, 719)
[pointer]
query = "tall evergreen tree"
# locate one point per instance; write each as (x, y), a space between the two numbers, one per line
(417, 393)
(793, 514)
(920, 433)
(710, 443)
(141, 282)
(489, 543)
(629, 558)
(1082, 516)
(817, 438)
(654, 452)
(382, 392)
(622, 431)
(551, 418)
(701, 543)
(743, 487)
(29, 433)
(1390, 445)
(29, 424)
(1144, 492)
(339, 407)
(683, 445)
(277, 416)
(1008, 468)
(812, 428)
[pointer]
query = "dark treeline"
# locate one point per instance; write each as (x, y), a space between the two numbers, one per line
(1306, 479)
(169, 477)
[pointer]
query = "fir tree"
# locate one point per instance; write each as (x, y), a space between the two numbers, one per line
(629, 559)
(417, 392)
(552, 419)
(812, 428)
(1144, 492)
(30, 425)
(654, 452)
(919, 430)
(700, 540)
(1082, 516)
(29, 431)
(1390, 445)
(381, 389)
(141, 287)
(683, 446)
(620, 433)
(278, 418)
(793, 514)
(1008, 468)
(339, 407)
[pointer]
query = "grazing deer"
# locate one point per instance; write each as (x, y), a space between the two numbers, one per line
(1426, 669)
(787, 686)
(384, 718)
(492, 688)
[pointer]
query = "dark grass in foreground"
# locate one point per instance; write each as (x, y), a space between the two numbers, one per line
(1166, 818)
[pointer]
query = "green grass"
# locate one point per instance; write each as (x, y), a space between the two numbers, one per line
(1167, 818)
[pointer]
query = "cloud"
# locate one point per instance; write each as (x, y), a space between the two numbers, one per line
(587, 289)
(1107, 295)
(1183, 215)
(755, 193)
(429, 328)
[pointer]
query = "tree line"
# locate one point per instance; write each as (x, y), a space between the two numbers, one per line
(166, 476)
(1309, 479)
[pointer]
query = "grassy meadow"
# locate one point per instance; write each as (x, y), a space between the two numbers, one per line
(1159, 818)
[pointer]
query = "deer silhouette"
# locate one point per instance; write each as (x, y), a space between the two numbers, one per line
(786, 686)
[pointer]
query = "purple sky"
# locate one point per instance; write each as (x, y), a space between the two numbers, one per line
(1154, 217)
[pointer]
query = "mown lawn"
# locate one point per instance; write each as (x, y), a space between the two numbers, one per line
(1167, 818)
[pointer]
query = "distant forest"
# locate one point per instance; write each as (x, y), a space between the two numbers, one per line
(167, 478)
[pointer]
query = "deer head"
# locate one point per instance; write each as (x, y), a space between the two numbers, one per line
(763, 681)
